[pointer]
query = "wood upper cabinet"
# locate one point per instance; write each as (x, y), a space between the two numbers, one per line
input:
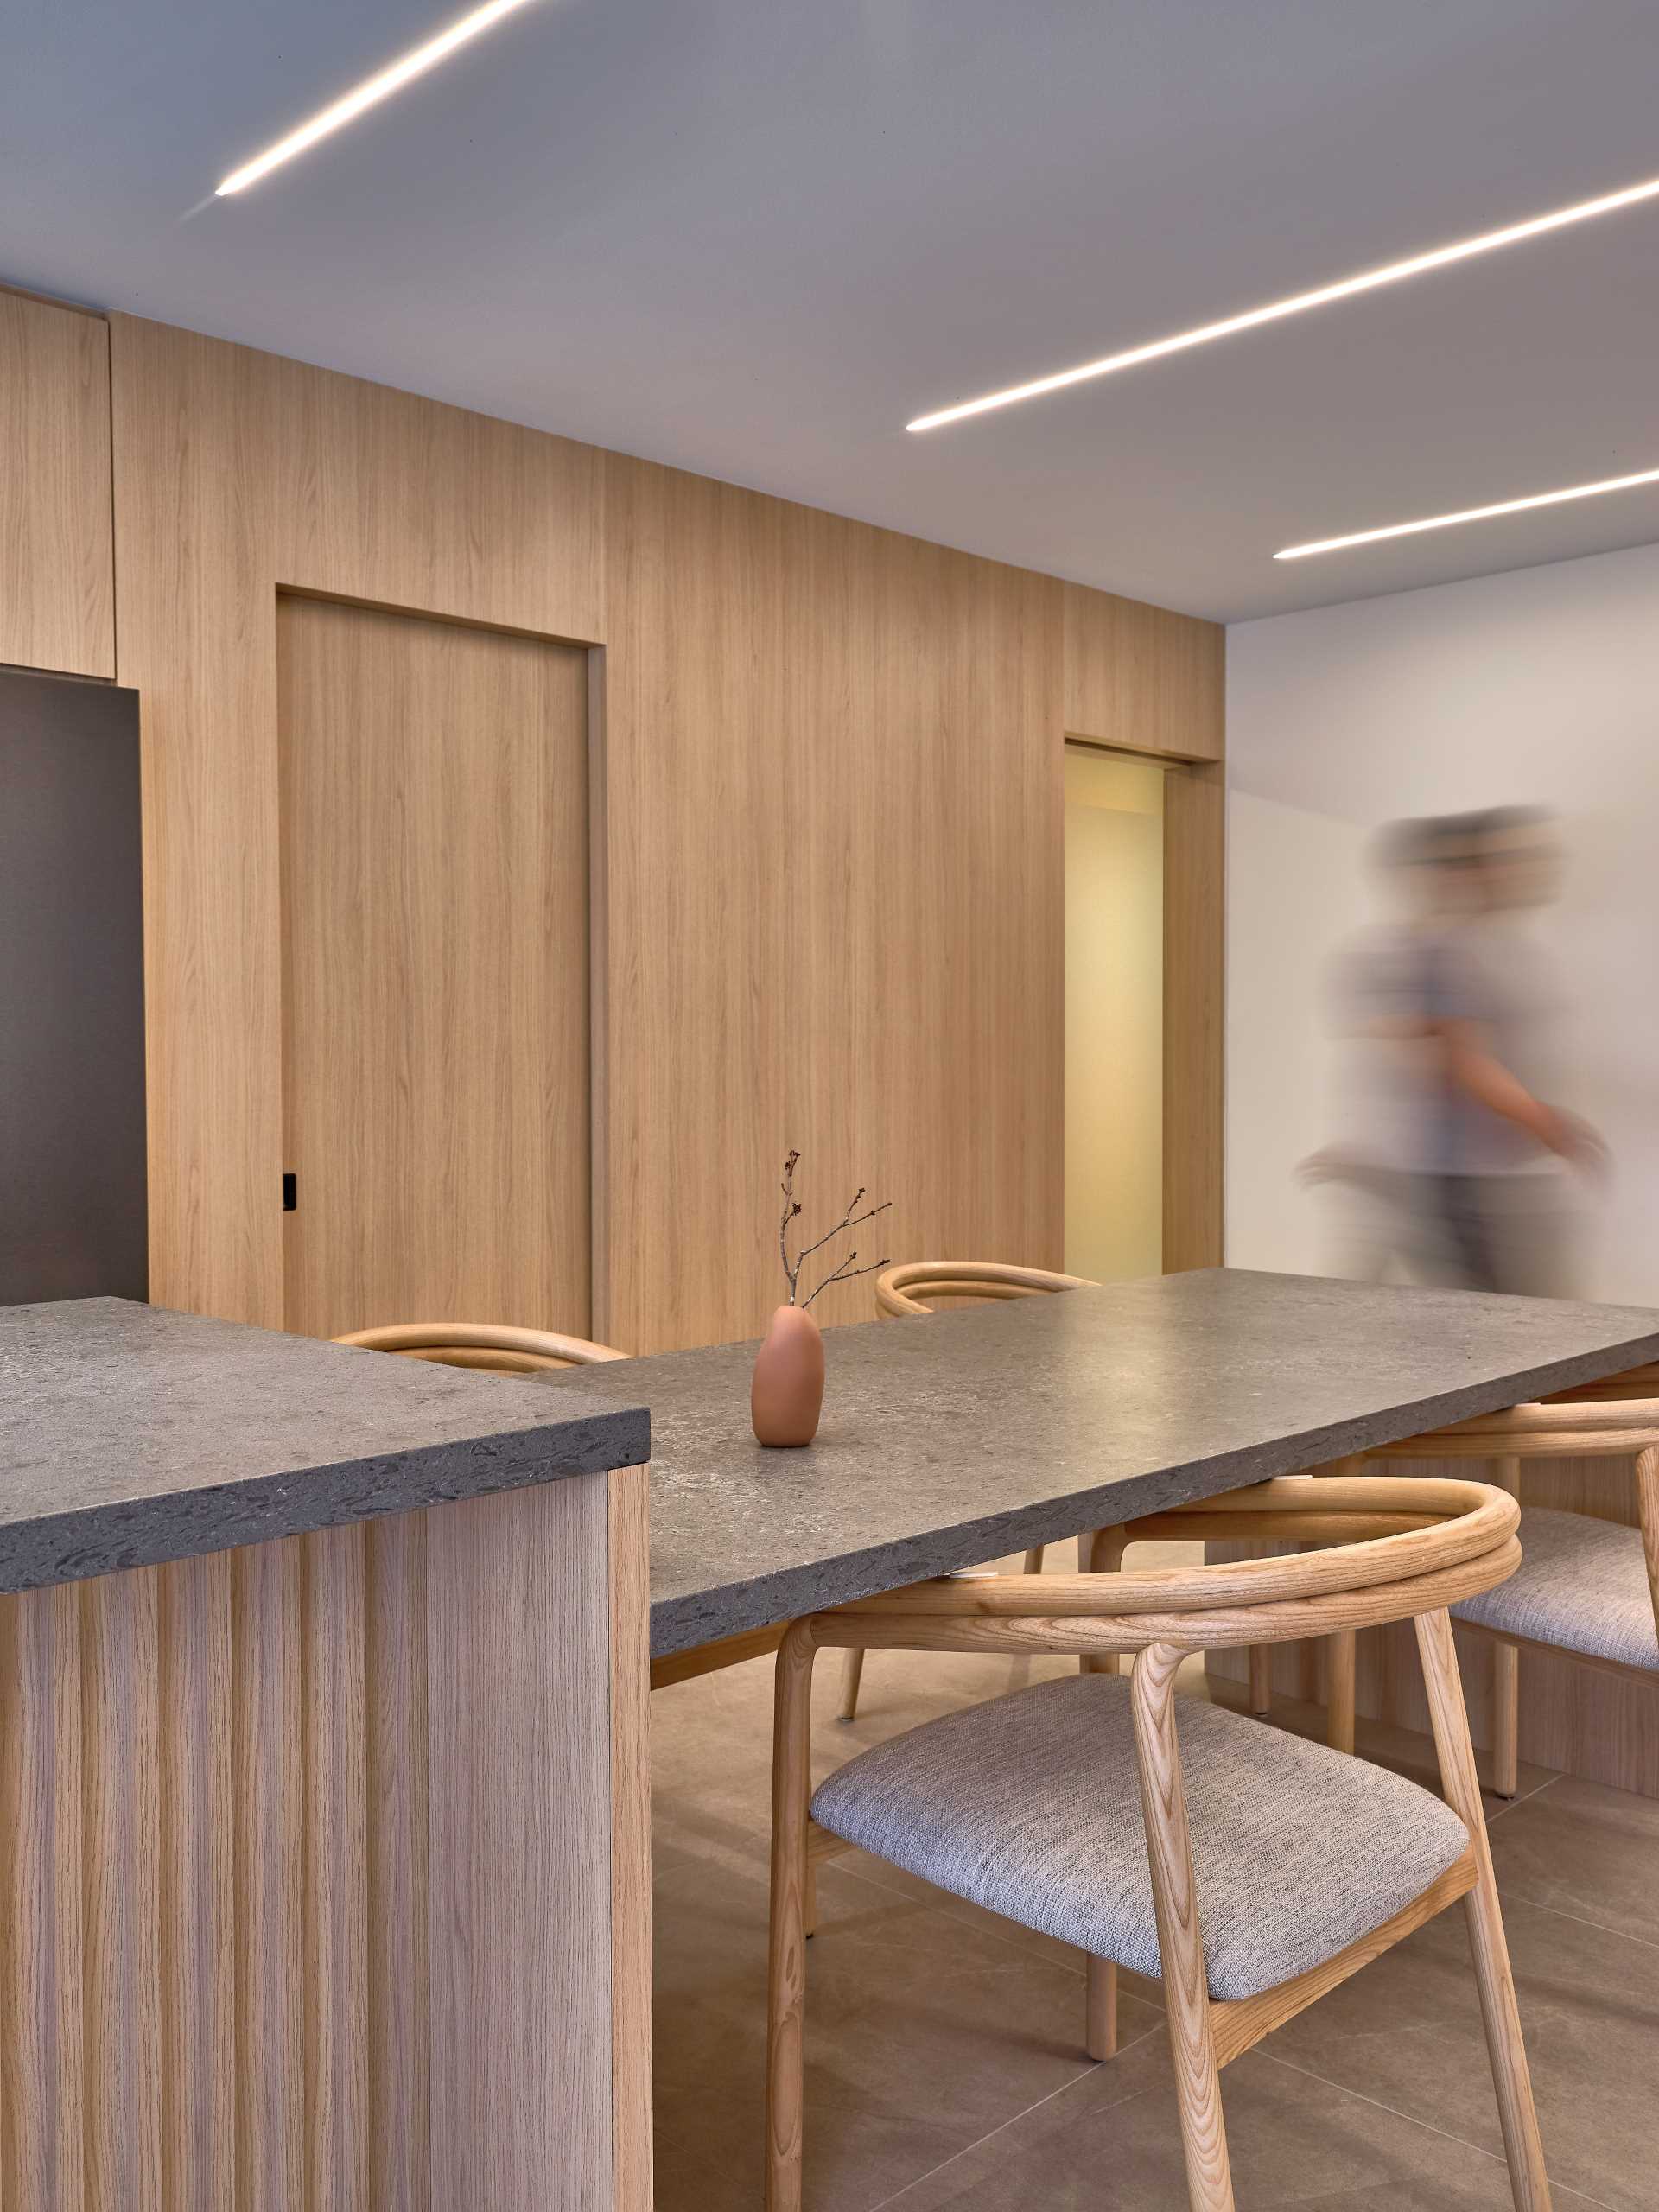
(57, 561)
(1141, 677)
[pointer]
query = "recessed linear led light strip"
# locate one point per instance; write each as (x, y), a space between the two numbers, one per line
(1468, 514)
(371, 93)
(1370, 280)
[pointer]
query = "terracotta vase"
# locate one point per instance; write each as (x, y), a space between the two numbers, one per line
(786, 1395)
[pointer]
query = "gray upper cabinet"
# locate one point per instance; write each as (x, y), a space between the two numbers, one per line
(72, 1211)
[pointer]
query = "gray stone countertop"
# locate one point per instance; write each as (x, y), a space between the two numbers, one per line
(954, 1437)
(131, 1435)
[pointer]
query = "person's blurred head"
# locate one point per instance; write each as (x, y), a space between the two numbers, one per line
(1516, 854)
(1427, 863)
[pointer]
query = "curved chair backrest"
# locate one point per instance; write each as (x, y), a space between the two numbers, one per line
(496, 1348)
(1396, 1547)
(896, 1288)
(1569, 1428)
(1635, 1383)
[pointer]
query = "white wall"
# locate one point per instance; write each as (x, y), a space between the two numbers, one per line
(1541, 687)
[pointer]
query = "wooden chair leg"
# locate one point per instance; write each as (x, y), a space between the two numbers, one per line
(786, 1948)
(1528, 2181)
(1181, 1943)
(852, 1673)
(1339, 1696)
(1034, 1559)
(1506, 1672)
(1101, 1552)
(809, 1902)
(1506, 1719)
(1100, 2031)
(1261, 1679)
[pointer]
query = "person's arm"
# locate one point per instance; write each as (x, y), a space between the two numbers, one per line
(1476, 1070)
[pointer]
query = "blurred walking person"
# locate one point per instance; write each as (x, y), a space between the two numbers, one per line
(1384, 1169)
(1495, 1006)
(1450, 1167)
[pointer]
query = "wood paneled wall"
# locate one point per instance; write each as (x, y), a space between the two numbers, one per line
(238, 474)
(291, 1922)
(835, 914)
(830, 827)
(1141, 679)
(57, 562)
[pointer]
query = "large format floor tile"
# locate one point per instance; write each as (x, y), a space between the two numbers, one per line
(923, 2035)
(1111, 2143)
(1586, 1850)
(1406, 2032)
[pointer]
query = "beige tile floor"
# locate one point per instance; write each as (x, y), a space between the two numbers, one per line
(945, 2066)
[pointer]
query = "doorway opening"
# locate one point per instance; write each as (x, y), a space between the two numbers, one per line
(1114, 1014)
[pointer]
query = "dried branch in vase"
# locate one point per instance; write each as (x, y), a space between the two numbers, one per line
(851, 1219)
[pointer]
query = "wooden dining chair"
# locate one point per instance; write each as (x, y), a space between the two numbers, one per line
(488, 1346)
(1250, 1869)
(1585, 1586)
(904, 1290)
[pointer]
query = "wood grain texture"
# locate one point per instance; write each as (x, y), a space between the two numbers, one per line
(434, 803)
(335, 1735)
(827, 828)
(121, 1877)
(198, 1882)
(236, 474)
(630, 1718)
(1180, 1940)
(268, 1816)
(1195, 836)
(42, 2081)
(1141, 679)
(399, 1897)
(792, 1905)
(519, 1778)
(57, 571)
(229, 1975)
(710, 1658)
(835, 919)
(1460, 1786)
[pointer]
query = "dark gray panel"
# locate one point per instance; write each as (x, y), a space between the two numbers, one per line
(74, 1218)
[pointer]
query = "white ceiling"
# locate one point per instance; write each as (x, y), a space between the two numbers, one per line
(754, 237)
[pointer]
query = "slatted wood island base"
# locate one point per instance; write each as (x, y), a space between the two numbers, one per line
(317, 1893)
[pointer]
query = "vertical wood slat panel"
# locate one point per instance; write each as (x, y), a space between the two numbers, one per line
(198, 1883)
(519, 1783)
(266, 1709)
(121, 1814)
(631, 1990)
(337, 2125)
(43, 2154)
(331, 1823)
(398, 1994)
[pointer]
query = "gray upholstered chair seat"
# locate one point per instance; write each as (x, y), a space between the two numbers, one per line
(1581, 1586)
(1030, 1806)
